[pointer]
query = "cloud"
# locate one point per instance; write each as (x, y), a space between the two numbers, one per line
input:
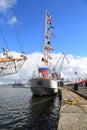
(76, 64)
(6, 5)
(13, 20)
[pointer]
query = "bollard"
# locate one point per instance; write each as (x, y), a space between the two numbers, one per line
(76, 86)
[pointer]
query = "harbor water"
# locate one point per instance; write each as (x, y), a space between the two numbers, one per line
(19, 110)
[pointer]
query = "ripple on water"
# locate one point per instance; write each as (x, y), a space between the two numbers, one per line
(19, 110)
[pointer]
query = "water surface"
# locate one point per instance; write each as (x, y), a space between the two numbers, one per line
(19, 110)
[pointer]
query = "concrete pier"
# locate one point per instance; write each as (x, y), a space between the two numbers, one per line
(74, 116)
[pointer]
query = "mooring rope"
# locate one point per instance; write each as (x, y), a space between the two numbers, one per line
(44, 100)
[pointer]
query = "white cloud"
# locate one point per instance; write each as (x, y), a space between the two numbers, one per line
(13, 20)
(76, 64)
(6, 9)
(6, 5)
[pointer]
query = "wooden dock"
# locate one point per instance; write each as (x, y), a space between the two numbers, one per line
(72, 116)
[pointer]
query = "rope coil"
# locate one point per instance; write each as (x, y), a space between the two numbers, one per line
(69, 101)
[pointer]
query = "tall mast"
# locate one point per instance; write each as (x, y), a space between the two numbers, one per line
(48, 34)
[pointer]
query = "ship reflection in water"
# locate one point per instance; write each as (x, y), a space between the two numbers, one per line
(19, 110)
(44, 113)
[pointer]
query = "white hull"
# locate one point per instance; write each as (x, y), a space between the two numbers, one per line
(41, 86)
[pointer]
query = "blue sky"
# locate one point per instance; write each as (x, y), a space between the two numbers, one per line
(22, 24)
(69, 18)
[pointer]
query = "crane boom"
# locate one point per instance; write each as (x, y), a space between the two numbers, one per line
(61, 61)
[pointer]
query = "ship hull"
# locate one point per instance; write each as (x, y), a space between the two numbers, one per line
(43, 87)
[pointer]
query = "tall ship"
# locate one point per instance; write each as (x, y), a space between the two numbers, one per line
(46, 81)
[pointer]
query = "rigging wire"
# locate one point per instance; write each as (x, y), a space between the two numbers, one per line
(16, 30)
(18, 35)
(0, 46)
(13, 21)
(4, 39)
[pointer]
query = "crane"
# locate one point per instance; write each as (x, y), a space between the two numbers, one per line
(60, 62)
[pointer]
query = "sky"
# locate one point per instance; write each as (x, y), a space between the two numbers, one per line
(22, 29)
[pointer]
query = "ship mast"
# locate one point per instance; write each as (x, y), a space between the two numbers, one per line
(48, 34)
(47, 48)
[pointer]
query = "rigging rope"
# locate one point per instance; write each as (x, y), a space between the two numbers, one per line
(4, 39)
(18, 35)
(14, 23)
(0, 46)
